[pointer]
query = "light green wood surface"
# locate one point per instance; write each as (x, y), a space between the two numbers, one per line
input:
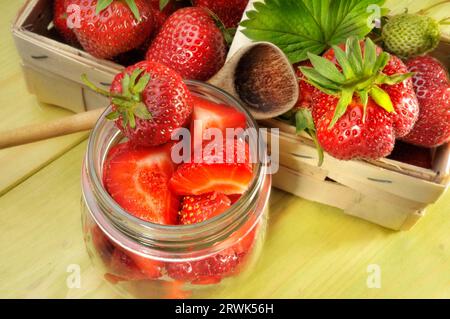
(311, 250)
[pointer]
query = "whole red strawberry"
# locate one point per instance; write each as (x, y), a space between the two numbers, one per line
(149, 102)
(364, 104)
(432, 86)
(230, 12)
(60, 22)
(190, 43)
(107, 29)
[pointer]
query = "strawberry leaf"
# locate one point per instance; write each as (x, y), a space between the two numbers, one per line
(302, 26)
(381, 98)
(142, 112)
(304, 122)
(113, 116)
(163, 4)
(344, 100)
(142, 83)
(102, 5)
(134, 9)
(326, 68)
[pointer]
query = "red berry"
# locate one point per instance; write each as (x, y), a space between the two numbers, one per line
(123, 268)
(213, 115)
(166, 98)
(60, 22)
(211, 270)
(230, 12)
(190, 43)
(225, 173)
(195, 209)
(137, 179)
(113, 30)
(372, 136)
(350, 137)
(432, 87)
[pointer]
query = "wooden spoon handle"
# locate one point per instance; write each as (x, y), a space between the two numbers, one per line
(37, 132)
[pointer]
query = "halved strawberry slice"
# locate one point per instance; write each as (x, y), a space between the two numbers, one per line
(137, 179)
(228, 174)
(195, 209)
(213, 115)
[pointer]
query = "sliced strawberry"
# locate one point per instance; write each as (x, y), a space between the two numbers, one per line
(137, 179)
(211, 270)
(123, 267)
(195, 209)
(103, 246)
(228, 174)
(215, 115)
(149, 267)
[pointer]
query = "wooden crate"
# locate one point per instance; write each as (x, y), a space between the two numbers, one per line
(52, 68)
(387, 192)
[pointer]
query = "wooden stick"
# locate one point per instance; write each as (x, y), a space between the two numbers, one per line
(36, 132)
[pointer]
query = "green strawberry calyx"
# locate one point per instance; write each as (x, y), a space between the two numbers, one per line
(361, 75)
(103, 4)
(128, 103)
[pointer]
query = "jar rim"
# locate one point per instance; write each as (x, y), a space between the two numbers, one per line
(215, 228)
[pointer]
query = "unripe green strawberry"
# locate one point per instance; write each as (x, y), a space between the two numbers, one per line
(408, 35)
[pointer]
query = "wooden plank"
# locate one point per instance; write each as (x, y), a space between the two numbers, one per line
(314, 249)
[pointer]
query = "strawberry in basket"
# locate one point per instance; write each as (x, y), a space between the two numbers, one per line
(432, 87)
(108, 28)
(190, 43)
(229, 11)
(366, 100)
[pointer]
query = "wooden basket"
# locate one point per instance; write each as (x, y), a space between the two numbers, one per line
(387, 192)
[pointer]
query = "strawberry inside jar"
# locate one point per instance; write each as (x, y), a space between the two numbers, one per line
(158, 226)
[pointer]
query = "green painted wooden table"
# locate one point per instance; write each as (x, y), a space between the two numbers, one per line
(312, 250)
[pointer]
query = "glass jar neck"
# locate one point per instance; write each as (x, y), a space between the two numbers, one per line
(123, 227)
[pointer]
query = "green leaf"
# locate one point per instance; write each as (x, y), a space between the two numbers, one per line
(113, 116)
(326, 68)
(102, 5)
(392, 79)
(131, 119)
(142, 83)
(382, 98)
(163, 4)
(134, 9)
(370, 56)
(126, 85)
(141, 111)
(341, 57)
(354, 54)
(341, 107)
(303, 120)
(302, 26)
(318, 80)
(134, 75)
(381, 62)
(364, 96)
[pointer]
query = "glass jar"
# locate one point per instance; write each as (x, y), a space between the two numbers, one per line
(147, 260)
